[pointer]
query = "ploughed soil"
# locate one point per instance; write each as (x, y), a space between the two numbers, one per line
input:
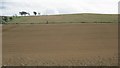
(41, 44)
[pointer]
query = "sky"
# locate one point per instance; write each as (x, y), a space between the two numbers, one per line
(51, 7)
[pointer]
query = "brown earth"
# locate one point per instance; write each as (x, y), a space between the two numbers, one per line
(39, 44)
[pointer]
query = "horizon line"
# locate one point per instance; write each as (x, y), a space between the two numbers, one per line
(63, 14)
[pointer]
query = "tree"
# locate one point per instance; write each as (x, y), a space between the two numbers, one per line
(38, 13)
(24, 13)
(11, 18)
(5, 18)
(35, 13)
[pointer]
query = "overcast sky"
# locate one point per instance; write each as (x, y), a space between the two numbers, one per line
(46, 7)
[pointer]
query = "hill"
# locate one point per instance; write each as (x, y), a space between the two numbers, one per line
(68, 18)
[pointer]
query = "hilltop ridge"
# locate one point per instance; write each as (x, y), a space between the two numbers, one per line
(68, 18)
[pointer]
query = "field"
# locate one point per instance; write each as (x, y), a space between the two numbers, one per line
(68, 18)
(60, 44)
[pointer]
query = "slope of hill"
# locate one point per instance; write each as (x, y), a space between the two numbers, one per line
(69, 18)
(0, 19)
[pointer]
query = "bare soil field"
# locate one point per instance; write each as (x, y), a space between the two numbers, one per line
(60, 44)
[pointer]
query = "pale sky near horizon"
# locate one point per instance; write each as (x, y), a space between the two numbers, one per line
(49, 7)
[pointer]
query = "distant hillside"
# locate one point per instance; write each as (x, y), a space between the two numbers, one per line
(69, 18)
(0, 19)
